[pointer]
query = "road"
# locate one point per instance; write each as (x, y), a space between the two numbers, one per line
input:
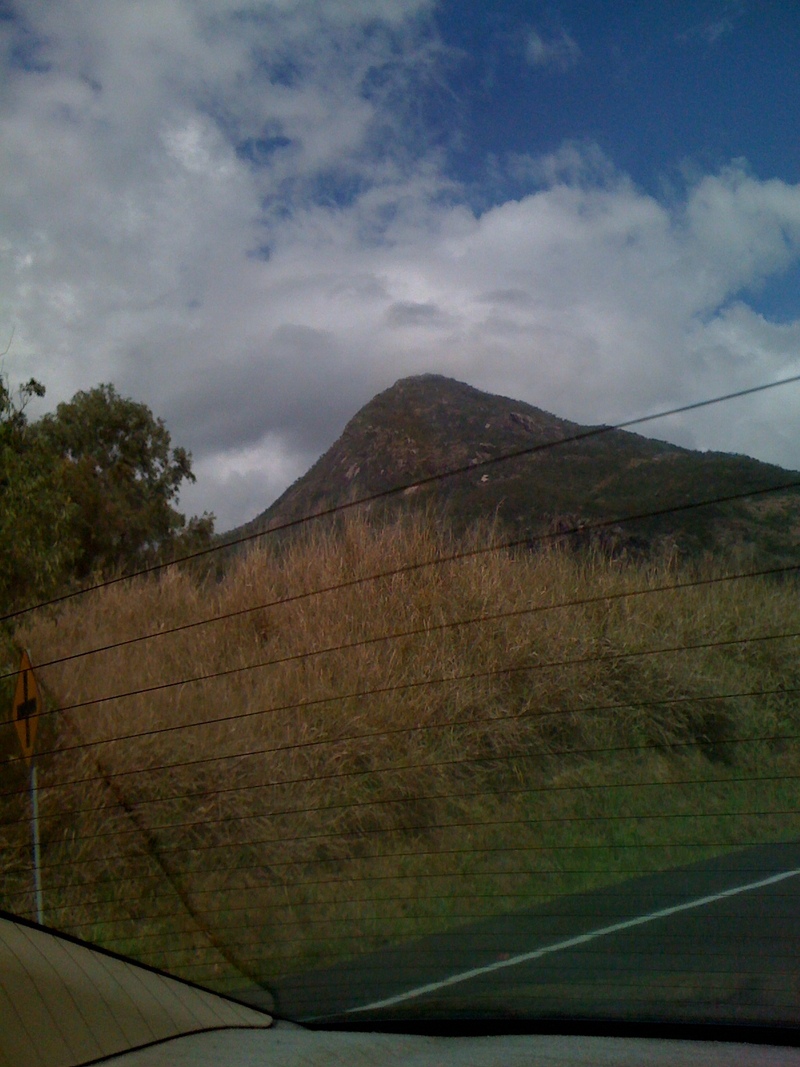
(717, 940)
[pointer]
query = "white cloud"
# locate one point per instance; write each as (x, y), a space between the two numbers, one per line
(573, 163)
(129, 209)
(718, 25)
(134, 204)
(559, 51)
(241, 479)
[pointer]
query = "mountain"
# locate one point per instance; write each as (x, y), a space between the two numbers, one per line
(428, 424)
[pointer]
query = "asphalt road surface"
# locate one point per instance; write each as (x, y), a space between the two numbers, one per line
(719, 940)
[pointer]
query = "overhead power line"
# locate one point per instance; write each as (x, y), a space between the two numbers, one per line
(466, 468)
(397, 687)
(540, 716)
(583, 711)
(394, 802)
(778, 691)
(775, 941)
(396, 876)
(461, 554)
(418, 631)
(528, 895)
(366, 857)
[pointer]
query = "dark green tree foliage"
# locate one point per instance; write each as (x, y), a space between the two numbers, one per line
(87, 491)
(123, 477)
(37, 545)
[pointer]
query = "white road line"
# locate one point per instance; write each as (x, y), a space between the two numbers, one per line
(571, 942)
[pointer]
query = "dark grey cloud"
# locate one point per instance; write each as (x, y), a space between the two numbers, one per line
(298, 385)
(411, 313)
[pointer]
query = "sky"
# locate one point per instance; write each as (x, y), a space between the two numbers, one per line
(253, 216)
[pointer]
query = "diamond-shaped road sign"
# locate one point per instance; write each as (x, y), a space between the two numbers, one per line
(27, 706)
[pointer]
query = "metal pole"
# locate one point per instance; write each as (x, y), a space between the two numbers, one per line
(37, 864)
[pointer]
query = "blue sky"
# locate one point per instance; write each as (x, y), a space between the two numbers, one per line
(254, 214)
(658, 87)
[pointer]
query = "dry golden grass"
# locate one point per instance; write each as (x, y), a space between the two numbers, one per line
(320, 774)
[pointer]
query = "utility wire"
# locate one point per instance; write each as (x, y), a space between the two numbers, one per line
(676, 990)
(472, 850)
(579, 661)
(463, 795)
(394, 731)
(462, 554)
(359, 922)
(525, 872)
(596, 431)
(540, 790)
(205, 760)
(451, 558)
(269, 813)
(424, 630)
(482, 937)
(416, 684)
(396, 876)
(423, 728)
(262, 907)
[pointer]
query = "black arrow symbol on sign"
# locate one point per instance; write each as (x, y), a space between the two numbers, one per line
(28, 707)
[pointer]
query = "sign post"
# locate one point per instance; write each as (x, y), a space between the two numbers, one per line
(26, 711)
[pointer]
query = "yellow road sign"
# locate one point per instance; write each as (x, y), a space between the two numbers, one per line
(27, 706)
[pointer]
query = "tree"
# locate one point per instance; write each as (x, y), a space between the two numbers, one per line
(123, 477)
(37, 547)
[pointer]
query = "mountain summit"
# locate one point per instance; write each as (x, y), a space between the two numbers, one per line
(426, 425)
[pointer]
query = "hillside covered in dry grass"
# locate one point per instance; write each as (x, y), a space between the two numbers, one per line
(388, 731)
